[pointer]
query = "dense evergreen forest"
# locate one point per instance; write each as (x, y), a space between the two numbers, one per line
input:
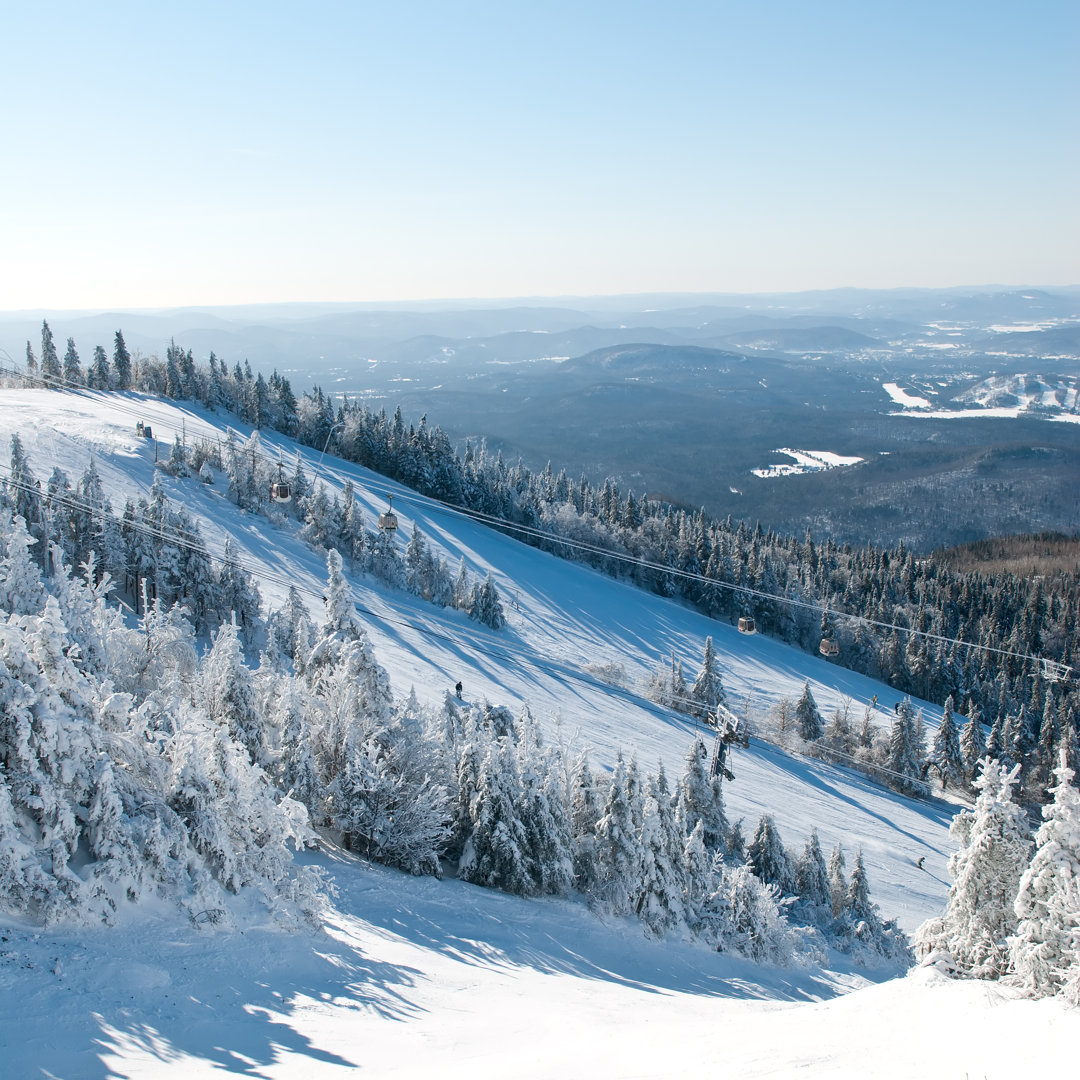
(995, 643)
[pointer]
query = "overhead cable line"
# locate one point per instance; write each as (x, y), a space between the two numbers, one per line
(637, 562)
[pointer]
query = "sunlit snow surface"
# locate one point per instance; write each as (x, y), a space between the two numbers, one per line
(414, 976)
(806, 461)
(902, 397)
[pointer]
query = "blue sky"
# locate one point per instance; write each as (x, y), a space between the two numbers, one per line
(258, 152)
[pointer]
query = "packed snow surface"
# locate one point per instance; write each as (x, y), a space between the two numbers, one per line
(411, 976)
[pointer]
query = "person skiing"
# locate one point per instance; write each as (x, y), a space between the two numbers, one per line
(458, 689)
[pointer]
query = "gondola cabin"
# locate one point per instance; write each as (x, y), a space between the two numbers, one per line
(280, 492)
(388, 519)
(828, 647)
(746, 625)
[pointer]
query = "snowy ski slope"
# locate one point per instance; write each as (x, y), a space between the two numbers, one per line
(413, 977)
(562, 618)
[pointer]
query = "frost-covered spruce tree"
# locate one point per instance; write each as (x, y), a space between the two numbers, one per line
(24, 884)
(21, 589)
(859, 906)
(807, 716)
(698, 871)
(236, 820)
(618, 847)
(417, 804)
(702, 799)
(24, 492)
(287, 707)
(485, 606)
(862, 923)
(972, 743)
(544, 813)
(660, 904)
(51, 370)
(496, 853)
(1045, 950)
(635, 793)
(293, 629)
(905, 753)
(585, 810)
(992, 855)
(230, 694)
(73, 374)
(768, 859)
(838, 882)
(812, 878)
(708, 689)
(238, 593)
(946, 757)
(352, 689)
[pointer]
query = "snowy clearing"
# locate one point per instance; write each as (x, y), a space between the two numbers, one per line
(806, 461)
(903, 398)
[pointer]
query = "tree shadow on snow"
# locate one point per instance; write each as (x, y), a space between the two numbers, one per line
(486, 928)
(128, 998)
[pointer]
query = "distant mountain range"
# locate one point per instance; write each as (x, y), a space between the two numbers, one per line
(694, 396)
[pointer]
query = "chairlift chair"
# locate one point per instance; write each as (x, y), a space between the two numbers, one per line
(388, 519)
(1052, 671)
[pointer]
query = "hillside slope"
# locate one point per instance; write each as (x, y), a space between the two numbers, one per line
(563, 618)
(410, 975)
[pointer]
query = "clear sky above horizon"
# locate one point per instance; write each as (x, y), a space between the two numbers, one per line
(260, 152)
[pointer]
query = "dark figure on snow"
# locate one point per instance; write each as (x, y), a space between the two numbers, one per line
(457, 690)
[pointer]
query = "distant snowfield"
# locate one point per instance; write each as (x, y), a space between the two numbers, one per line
(411, 977)
(806, 461)
(1001, 397)
(902, 397)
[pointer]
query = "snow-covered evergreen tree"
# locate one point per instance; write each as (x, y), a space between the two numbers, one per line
(838, 881)
(618, 847)
(807, 716)
(905, 753)
(768, 859)
(946, 757)
(1045, 949)
(743, 915)
(992, 855)
(812, 877)
(972, 743)
(230, 694)
(485, 606)
(585, 811)
(496, 853)
(660, 904)
(708, 689)
(702, 799)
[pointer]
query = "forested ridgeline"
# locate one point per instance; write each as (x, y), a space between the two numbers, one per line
(928, 631)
